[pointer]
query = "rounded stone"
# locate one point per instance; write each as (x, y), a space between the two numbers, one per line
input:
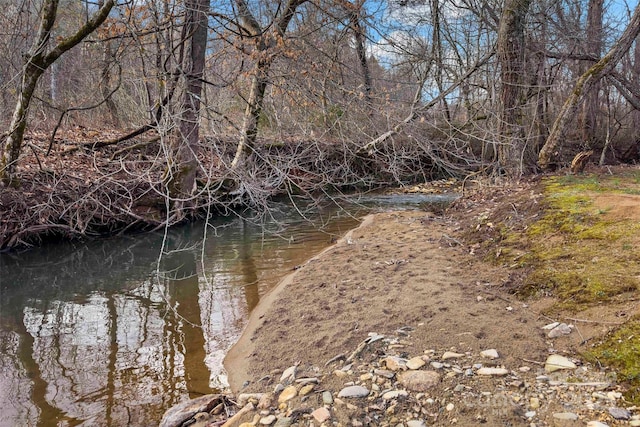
(354, 391)
(287, 394)
(419, 380)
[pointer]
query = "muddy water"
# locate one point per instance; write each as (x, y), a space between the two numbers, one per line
(116, 331)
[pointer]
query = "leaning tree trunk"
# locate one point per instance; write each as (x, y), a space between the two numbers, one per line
(37, 61)
(511, 57)
(551, 149)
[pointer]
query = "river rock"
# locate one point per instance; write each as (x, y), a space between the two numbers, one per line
(491, 353)
(321, 414)
(283, 422)
(451, 355)
(265, 402)
(415, 363)
(419, 381)
(395, 363)
(182, 412)
(354, 391)
(268, 420)
(394, 394)
(560, 330)
(550, 326)
(494, 372)
(384, 373)
(534, 403)
(287, 394)
(565, 416)
(289, 375)
(620, 413)
(306, 389)
(556, 362)
(243, 398)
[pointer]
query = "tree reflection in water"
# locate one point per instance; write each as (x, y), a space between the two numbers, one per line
(93, 334)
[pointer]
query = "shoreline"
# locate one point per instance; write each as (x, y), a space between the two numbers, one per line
(234, 361)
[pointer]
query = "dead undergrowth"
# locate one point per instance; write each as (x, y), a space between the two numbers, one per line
(80, 186)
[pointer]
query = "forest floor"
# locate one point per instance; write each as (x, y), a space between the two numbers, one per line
(417, 318)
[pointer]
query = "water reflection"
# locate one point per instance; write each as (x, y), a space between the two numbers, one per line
(112, 333)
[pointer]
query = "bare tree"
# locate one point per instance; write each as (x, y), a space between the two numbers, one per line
(511, 50)
(36, 62)
(266, 42)
(586, 83)
(183, 165)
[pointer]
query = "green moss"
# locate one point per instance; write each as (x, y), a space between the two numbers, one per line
(621, 350)
(575, 252)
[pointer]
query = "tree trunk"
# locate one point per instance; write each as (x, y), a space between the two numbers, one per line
(107, 57)
(265, 46)
(594, 34)
(359, 35)
(37, 62)
(185, 165)
(249, 132)
(551, 149)
(511, 57)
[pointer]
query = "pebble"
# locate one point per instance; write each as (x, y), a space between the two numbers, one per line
(550, 326)
(321, 414)
(494, 372)
(354, 391)
(327, 399)
(306, 389)
(415, 363)
(268, 420)
(596, 424)
(619, 413)
(450, 407)
(340, 373)
(437, 365)
(419, 380)
(451, 355)
(394, 394)
(395, 363)
(491, 353)
(266, 401)
(530, 414)
(556, 362)
(416, 423)
(287, 394)
(283, 422)
(534, 403)
(565, 416)
(560, 330)
(384, 373)
(289, 375)
(634, 423)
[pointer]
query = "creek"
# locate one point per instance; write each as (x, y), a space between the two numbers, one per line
(115, 331)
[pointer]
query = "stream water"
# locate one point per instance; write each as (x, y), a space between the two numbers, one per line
(114, 332)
